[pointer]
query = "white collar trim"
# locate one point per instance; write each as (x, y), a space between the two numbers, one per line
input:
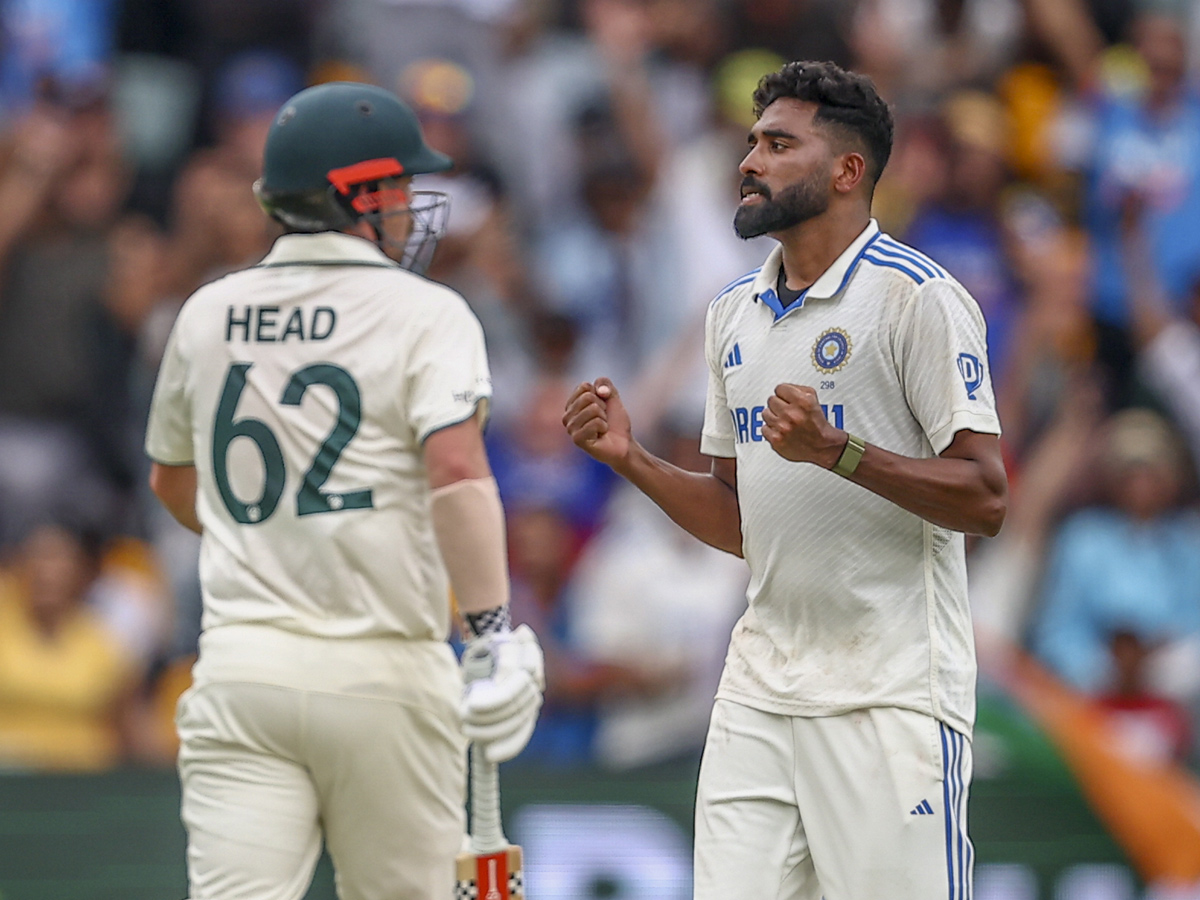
(325, 247)
(831, 281)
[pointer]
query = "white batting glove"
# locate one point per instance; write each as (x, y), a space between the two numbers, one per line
(503, 693)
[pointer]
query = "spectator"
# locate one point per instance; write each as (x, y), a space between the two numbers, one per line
(647, 596)
(1130, 565)
(1004, 573)
(478, 255)
(917, 50)
(962, 226)
(61, 188)
(618, 269)
(1167, 340)
(1142, 145)
(1053, 343)
(1149, 726)
(555, 79)
(53, 50)
(535, 463)
(216, 225)
(66, 684)
(249, 89)
(542, 550)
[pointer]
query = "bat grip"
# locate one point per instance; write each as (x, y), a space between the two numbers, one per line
(487, 833)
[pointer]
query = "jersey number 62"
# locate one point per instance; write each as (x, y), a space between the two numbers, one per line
(310, 499)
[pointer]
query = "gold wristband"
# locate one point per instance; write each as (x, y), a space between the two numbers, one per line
(851, 457)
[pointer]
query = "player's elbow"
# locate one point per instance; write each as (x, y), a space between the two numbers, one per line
(994, 518)
(991, 513)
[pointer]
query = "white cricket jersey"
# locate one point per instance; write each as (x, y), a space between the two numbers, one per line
(302, 390)
(853, 602)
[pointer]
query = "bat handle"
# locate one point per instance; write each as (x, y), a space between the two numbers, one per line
(487, 833)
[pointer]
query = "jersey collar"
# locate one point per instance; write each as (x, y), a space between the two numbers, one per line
(831, 283)
(329, 248)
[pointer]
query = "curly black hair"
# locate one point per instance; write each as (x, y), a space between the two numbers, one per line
(845, 100)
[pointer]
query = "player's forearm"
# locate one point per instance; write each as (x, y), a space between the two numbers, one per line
(968, 495)
(468, 522)
(700, 503)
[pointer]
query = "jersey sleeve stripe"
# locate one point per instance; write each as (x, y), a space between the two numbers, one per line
(915, 255)
(483, 402)
(891, 251)
(899, 267)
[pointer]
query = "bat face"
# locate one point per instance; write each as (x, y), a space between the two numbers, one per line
(490, 876)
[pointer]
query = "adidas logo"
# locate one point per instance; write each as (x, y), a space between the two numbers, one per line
(734, 358)
(923, 809)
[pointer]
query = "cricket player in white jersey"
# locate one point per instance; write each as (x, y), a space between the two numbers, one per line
(854, 439)
(317, 419)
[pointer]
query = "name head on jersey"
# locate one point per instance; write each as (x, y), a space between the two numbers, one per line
(267, 325)
(831, 352)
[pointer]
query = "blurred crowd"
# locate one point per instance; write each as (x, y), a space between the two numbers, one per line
(1047, 154)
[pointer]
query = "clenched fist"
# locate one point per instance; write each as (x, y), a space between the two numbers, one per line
(597, 421)
(797, 428)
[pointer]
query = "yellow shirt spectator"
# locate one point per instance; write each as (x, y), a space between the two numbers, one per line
(62, 676)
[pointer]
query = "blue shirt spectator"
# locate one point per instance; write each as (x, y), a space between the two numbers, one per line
(1153, 157)
(1109, 574)
(62, 46)
(1132, 567)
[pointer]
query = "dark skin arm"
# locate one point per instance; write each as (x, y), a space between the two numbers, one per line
(705, 505)
(964, 489)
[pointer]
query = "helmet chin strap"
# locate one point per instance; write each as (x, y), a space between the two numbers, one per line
(380, 240)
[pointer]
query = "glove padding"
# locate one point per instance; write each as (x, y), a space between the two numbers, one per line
(499, 711)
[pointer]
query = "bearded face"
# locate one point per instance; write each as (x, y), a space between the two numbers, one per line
(763, 211)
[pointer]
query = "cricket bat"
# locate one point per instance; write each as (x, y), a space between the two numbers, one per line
(491, 869)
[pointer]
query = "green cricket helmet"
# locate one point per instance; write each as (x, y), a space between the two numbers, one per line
(331, 154)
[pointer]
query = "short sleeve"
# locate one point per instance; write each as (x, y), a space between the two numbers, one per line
(941, 353)
(717, 437)
(169, 429)
(448, 376)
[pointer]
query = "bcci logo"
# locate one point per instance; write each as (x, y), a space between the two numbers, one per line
(832, 350)
(971, 370)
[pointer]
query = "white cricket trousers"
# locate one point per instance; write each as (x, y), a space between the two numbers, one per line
(286, 737)
(869, 805)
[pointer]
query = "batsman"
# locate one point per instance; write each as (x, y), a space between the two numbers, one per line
(317, 419)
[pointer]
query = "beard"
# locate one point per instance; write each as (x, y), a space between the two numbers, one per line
(796, 203)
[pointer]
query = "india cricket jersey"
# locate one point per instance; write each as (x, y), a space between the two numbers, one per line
(302, 389)
(853, 601)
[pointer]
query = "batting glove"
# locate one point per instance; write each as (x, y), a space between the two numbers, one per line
(500, 708)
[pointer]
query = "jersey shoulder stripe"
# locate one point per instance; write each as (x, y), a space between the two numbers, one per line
(909, 270)
(913, 254)
(890, 253)
(737, 282)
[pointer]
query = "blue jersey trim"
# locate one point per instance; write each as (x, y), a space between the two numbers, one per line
(771, 299)
(737, 282)
(891, 253)
(899, 267)
(915, 255)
